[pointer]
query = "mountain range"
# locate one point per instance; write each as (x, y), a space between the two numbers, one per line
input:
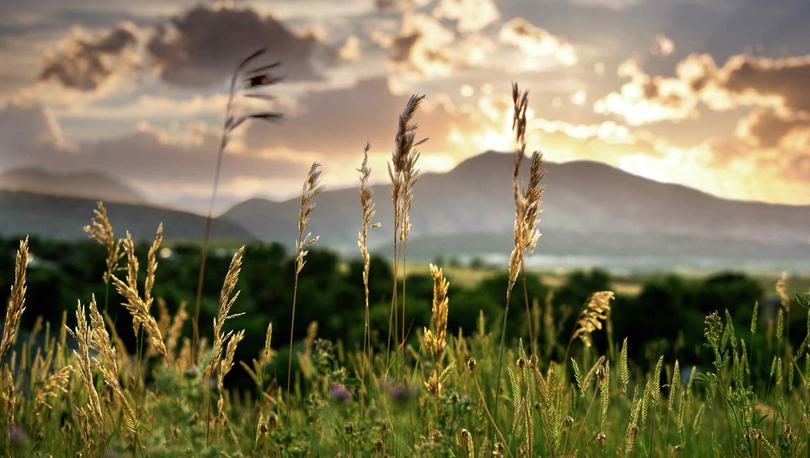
(593, 214)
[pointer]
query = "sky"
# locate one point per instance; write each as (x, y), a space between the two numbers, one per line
(711, 94)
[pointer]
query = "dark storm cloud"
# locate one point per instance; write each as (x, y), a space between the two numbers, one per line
(84, 63)
(784, 78)
(768, 129)
(202, 46)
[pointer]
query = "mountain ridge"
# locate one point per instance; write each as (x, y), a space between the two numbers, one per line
(580, 196)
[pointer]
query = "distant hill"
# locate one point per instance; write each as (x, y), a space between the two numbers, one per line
(470, 210)
(64, 217)
(90, 185)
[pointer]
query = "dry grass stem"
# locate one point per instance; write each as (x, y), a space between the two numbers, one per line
(311, 189)
(16, 301)
(101, 231)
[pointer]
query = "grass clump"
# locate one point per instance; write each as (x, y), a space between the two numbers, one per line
(436, 394)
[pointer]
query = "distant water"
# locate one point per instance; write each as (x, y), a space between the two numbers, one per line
(647, 264)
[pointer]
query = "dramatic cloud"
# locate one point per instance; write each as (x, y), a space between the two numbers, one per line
(203, 45)
(85, 62)
(470, 15)
(537, 43)
(648, 99)
(743, 81)
(769, 129)
(423, 45)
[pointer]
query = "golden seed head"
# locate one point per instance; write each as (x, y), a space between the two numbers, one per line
(534, 361)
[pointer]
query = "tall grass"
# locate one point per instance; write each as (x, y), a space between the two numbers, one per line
(90, 394)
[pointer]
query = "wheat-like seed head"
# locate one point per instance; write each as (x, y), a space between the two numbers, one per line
(175, 331)
(135, 305)
(101, 231)
(591, 317)
(435, 338)
(267, 351)
(402, 168)
(227, 298)
(151, 266)
(83, 336)
(16, 301)
(310, 190)
(367, 204)
(51, 387)
(528, 201)
(106, 362)
(140, 315)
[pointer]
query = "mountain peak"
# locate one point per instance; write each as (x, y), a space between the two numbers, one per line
(88, 185)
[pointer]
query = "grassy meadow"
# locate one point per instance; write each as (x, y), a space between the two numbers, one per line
(106, 349)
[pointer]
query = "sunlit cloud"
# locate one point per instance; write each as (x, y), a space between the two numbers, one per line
(662, 45)
(470, 15)
(536, 43)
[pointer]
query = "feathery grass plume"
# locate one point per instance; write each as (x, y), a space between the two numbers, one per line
(135, 305)
(225, 366)
(16, 301)
(227, 298)
(101, 231)
(367, 205)
(624, 372)
(106, 362)
(310, 190)
(151, 267)
(82, 333)
(527, 214)
(256, 372)
(403, 174)
(590, 319)
(54, 385)
(175, 331)
(435, 339)
(249, 78)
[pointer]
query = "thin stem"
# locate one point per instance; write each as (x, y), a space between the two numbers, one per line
(392, 318)
(292, 328)
(500, 352)
(404, 282)
(585, 419)
(489, 414)
(528, 311)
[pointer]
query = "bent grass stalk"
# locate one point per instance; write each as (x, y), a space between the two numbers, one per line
(367, 205)
(246, 78)
(310, 190)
